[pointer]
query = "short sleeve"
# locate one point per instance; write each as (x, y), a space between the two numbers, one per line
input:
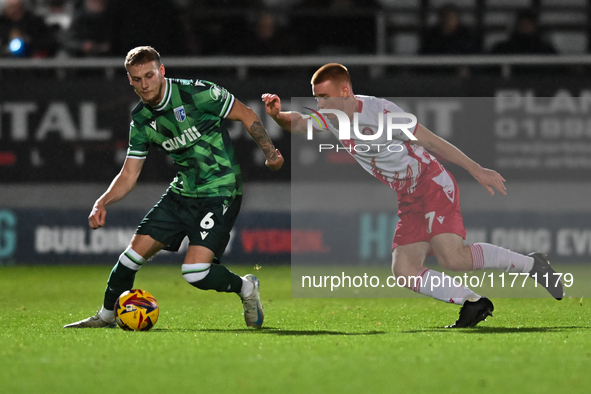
(138, 143)
(213, 99)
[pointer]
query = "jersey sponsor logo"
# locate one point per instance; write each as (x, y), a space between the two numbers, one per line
(204, 234)
(440, 219)
(179, 114)
(189, 135)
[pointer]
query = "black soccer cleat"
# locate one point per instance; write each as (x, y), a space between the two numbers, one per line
(544, 275)
(473, 312)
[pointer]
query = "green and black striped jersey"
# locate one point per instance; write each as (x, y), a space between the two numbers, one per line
(189, 125)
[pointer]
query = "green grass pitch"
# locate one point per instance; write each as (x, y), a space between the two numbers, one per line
(200, 343)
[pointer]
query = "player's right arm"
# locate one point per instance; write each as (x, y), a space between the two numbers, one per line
(489, 179)
(120, 187)
(291, 121)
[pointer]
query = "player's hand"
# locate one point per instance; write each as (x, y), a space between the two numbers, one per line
(489, 179)
(276, 163)
(97, 216)
(272, 104)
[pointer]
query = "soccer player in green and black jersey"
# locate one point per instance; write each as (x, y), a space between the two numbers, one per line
(186, 119)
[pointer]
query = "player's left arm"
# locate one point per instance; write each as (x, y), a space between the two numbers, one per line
(257, 131)
(488, 178)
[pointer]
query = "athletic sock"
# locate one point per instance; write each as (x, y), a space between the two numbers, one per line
(206, 276)
(107, 315)
(442, 287)
(492, 256)
(122, 276)
(247, 288)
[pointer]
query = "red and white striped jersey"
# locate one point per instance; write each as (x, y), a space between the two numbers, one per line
(395, 162)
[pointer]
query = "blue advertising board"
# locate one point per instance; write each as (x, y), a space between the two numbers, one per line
(61, 236)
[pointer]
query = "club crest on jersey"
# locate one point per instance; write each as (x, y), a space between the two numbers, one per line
(179, 114)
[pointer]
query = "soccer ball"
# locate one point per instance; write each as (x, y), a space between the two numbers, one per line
(136, 310)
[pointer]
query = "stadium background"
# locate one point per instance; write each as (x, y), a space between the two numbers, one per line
(63, 128)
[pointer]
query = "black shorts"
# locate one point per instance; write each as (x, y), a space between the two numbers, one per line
(206, 221)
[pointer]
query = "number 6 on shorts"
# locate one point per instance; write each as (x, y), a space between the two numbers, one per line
(207, 221)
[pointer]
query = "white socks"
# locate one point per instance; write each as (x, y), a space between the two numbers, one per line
(107, 315)
(492, 256)
(131, 259)
(193, 273)
(247, 288)
(442, 287)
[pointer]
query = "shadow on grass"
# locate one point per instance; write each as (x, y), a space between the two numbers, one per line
(276, 331)
(496, 330)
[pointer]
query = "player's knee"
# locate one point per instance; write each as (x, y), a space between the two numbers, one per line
(402, 267)
(395, 265)
(396, 268)
(195, 273)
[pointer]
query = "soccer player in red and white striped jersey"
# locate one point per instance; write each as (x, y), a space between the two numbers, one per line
(430, 220)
